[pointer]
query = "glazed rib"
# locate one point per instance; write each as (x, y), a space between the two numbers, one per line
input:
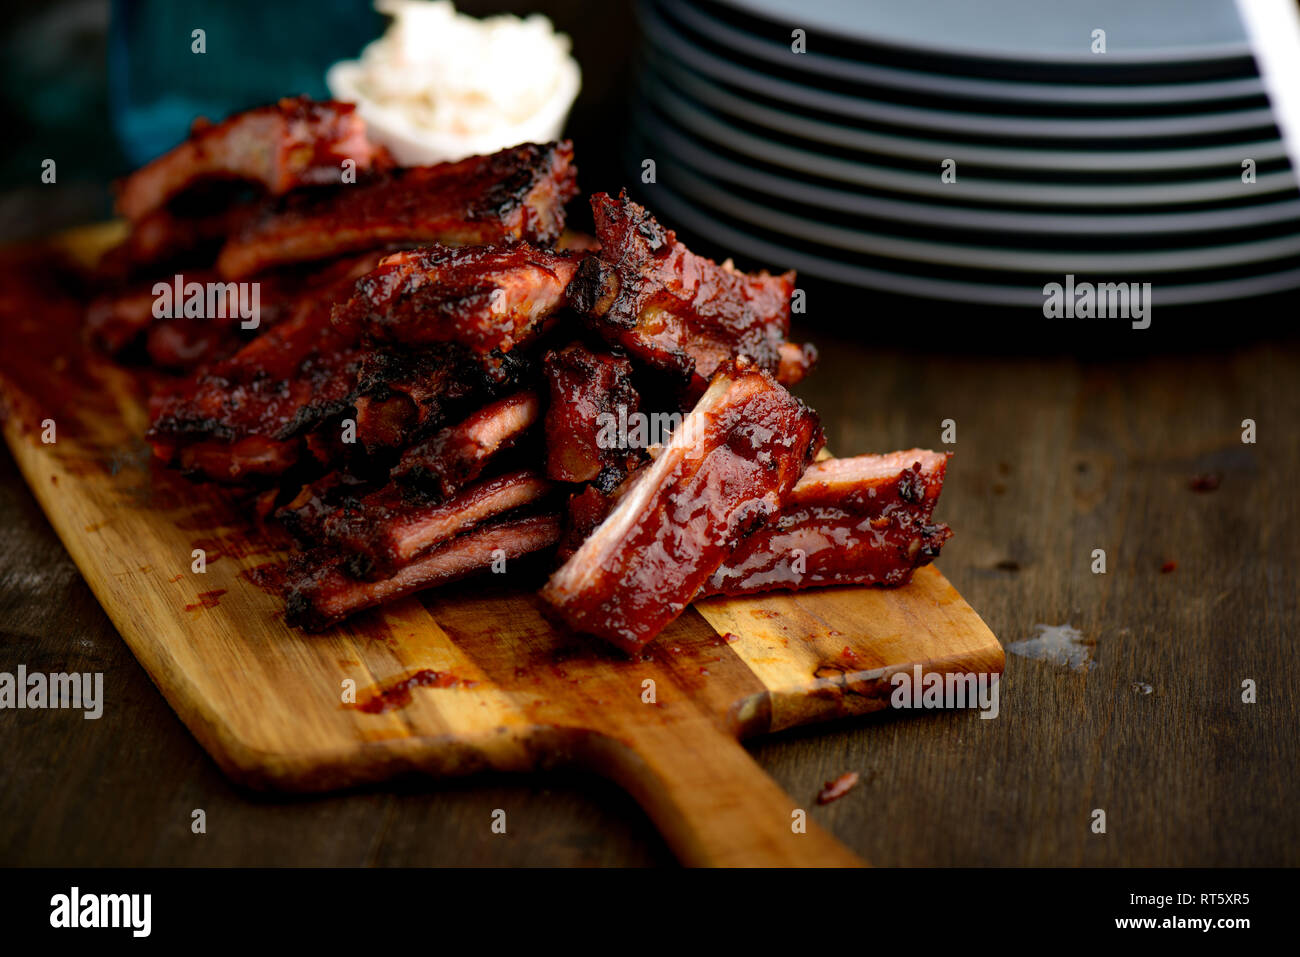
(683, 313)
(392, 526)
(273, 390)
(863, 521)
(516, 194)
(486, 298)
(319, 592)
(295, 142)
(590, 395)
(726, 470)
(588, 436)
(442, 465)
(429, 472)
(401, 394)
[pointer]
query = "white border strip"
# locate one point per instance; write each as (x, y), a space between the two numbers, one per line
(1274, 30)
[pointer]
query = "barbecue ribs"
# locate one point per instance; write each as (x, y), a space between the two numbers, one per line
(401, 395)
(486, 298)
(647, 293)
(442, 464)
(320, 592)
(518, 193)
(861, 521)
(295, 142)
(449, 369)
(589, 392)
(242, 417)
(726, 470)
(391, 527)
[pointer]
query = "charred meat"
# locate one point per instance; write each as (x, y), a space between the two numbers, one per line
(459, 380)
(295, 142)
(441, 465)
(320, 592)
(392, 526)
(647, 293)
(272, 391)
(516, 194)
(486, 298)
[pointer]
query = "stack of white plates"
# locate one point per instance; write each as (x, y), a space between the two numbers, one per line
(1122, 166)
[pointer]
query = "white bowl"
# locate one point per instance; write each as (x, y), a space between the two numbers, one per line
(413, 146)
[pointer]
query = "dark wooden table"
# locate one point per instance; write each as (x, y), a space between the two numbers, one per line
(1054, 458)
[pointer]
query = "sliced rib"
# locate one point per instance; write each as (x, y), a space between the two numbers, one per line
(295, 142)
(306, 512)
(320, 592)
(402, 394)
(591, 398)
(486, 298)
(863, 520)
(516, 194)
(275, 389)
(726, 470)
(677, 311)
(392, 526)
(442, 465)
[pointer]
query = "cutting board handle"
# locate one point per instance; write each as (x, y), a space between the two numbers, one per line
(713, 804)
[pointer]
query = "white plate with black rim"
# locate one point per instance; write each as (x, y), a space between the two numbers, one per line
(854, 107)
(718, 164)
(1054, 32)
(1015, 188)
(939, 268)
(677, 88)
(770, 44)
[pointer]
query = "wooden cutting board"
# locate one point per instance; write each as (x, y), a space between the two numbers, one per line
(468, 678)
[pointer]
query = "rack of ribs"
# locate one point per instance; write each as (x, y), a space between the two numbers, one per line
(323, 360)
(319, 590)
(860, 521)
(647, 293)
(516, 194)
(295, 142)
(726, 471)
